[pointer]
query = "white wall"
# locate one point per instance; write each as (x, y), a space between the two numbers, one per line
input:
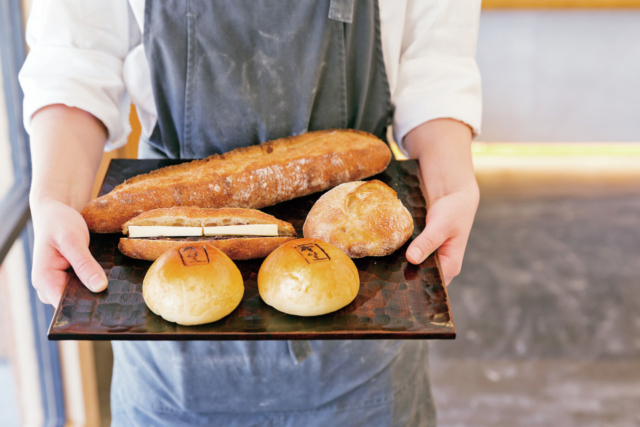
(560, 75)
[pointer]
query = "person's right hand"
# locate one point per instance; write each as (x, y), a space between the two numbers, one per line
(61, 241)
(63, 136)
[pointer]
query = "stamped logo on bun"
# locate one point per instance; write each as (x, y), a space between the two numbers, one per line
(193, 255)
(312, 252)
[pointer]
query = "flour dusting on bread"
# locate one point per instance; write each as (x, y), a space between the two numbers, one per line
(362, 218)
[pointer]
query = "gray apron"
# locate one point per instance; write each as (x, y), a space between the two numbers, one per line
(232, 73)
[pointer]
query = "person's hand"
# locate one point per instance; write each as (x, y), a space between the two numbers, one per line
(63, 136)
(443, 149)
(61, 241)
(449, 221)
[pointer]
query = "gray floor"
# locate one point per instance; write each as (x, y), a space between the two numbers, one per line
(547, 309)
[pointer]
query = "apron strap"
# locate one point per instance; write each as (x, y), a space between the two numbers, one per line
(341, 10)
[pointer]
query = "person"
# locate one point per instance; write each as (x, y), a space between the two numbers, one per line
(207, 77)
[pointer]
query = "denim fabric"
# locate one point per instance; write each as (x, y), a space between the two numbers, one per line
(231, 73)
(370, 383)
(342, 11)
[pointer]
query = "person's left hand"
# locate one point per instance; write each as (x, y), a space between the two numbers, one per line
(443, 149)
(448, 223)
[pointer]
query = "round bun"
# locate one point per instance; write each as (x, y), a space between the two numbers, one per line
(362, 218)
(308, 277)
(193, 284)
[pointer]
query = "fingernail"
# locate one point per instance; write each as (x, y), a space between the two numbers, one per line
(415, 254)
(98, 283)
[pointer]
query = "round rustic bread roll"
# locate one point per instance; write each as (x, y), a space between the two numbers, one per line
(193, 284)
(362, 218)
(308, 277)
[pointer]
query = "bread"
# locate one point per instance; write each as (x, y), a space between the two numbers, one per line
(235, 247)
(250, 177)
(193, 284)
(362, 218)
(308, 277)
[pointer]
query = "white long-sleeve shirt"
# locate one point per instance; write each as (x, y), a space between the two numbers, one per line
(89, 54)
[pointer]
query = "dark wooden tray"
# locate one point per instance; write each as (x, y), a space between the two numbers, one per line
(397, 300)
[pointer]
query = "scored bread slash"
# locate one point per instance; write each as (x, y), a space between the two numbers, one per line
(243, 230)
(239, 233)
(167, 231)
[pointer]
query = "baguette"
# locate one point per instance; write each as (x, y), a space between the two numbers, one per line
(235, 247)
(249, 177)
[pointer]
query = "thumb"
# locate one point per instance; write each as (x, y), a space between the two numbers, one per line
(431, 238)
(87, 269)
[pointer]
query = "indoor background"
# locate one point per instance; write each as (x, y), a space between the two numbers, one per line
(547, 306)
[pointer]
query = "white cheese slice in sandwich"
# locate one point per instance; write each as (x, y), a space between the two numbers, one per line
(243, 230)
(164, 231)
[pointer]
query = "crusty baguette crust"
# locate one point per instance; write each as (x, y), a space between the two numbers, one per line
(204, 217)
(250, 177)
(236, 249)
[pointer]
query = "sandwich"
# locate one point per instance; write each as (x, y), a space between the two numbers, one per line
(239, 233)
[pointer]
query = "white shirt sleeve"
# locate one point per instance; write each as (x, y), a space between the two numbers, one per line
(437, 75)
(77, 51)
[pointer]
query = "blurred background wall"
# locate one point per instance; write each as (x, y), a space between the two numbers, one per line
(560, 75)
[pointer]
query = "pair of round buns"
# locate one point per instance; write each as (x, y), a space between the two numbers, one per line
(196, 283)
(362, 218)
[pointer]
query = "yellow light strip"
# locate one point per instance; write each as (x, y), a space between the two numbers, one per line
(580, 158)
(555, 149)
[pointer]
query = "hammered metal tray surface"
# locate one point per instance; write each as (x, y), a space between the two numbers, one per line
(396, 299)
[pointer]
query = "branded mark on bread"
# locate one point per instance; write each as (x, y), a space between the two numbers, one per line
(312, 252)
(193, 255)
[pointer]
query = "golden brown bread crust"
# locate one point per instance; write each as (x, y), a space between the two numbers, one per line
(193, 284)
(250, 177)
(362, 218)
(236, 248)
(308, 277)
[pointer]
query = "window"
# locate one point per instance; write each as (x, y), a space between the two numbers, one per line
(29, 367)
